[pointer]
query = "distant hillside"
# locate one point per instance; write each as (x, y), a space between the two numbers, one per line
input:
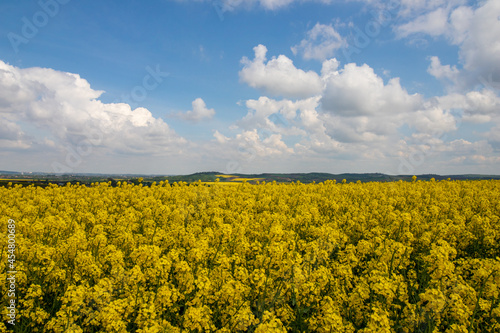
(320, 177)
(2, 172)
(44, 179)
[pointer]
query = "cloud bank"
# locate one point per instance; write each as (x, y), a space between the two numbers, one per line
(46, 109)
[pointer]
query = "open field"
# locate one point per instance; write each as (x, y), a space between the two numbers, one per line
(329, 257)
(43, 180)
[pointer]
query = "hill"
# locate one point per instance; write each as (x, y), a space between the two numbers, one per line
(44, 179)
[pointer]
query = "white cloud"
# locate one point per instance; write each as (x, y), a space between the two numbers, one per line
(275, 4)
(250, 145)
(279, 76)
(482, 103)
(478, 106)
(198, 113)
(12, 136)
(321, 43)
(493, 137)
(372, 132)
(474, 29)
(355, 112)
(231, 5)
(344, 113)
(461, 146)
(272, 5)
(358, 91)
(357, 115)
(481, 45)
(432, 120)
(411, 8)
(357, 107)
(328, 68)
(311, 121)
(220, 137)
(267, 124)
(63, 109)
(442, 71)
(434, 24)
(272, 116)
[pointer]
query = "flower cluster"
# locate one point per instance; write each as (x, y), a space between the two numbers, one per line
(348, 257)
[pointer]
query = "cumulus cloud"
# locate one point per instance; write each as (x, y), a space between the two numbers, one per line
(493, 137)
(279, 76)
(355, 114)
(12, 136)
(276, 128)
(272, 145)
(270, 130)
(355, 108)
(358, 91)
(480, 30)
(251, 144)
(478, 106)
(432, 120)
(64, 110)
(321, 43)
(221, 138)
(442, 71)
(484, 103)
(434, 23)
(358, 107)
(275, 116)
(349, 112)
(329, 68)
(474, 29)
(198, 113)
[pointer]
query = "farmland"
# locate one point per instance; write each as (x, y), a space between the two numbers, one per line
(45, 179)
(405, 256)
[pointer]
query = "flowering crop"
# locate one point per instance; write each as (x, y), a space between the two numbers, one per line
(372, 257)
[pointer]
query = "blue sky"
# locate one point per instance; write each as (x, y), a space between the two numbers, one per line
(248, 86)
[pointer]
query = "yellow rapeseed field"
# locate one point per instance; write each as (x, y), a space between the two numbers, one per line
(372, 257)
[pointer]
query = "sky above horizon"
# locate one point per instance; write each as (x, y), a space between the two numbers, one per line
(250, 86)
